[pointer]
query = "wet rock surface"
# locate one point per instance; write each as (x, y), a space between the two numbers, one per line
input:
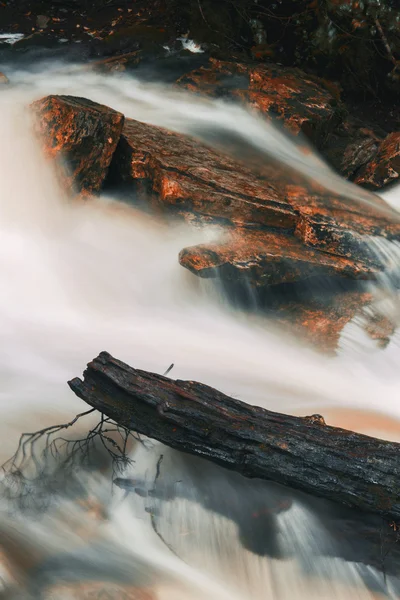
(300, 102)
(321, 322)
(181, 174)
(384, 166)
(82, 136)
(280, 227)
(267, 258)
(351, 146)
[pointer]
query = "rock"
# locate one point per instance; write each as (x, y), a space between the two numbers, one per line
(176, 173)
(3, 78)
(351, 146)
(38, 40)
(264, 258)
(81, 133)
(384, 167)
(117, 63)
(182, 175)
(301, 102)
(340, 225)
(162, 63)
(321, 322)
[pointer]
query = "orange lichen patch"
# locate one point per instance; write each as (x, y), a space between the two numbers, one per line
(77, 132)
(338, 225)
(321, 325)
(302, 103)
(262, 51)
(189, 177)
(267, 258)
(385, 166)
(283, 445)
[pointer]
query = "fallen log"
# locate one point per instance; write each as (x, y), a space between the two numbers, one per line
(300, 452)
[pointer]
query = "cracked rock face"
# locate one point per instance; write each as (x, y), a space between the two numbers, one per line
(81, 136)
(384, 167)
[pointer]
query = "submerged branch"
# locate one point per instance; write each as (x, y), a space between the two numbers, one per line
(39, 466)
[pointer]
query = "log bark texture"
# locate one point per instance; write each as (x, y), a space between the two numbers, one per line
(300, 452)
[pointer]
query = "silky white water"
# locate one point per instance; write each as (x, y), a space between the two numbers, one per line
(80, 278)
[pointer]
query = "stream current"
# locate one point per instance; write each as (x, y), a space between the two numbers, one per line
(80, 278)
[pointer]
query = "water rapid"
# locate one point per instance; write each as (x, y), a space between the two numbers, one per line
(80, 278)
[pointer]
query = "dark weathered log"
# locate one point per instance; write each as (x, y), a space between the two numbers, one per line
(300, 452)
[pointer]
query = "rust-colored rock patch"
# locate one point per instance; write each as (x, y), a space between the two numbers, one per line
(267, 258)
(82, 135)
(183, 175)
(384, 168)
(301, 102)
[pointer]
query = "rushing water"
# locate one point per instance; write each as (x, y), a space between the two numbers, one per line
(80, 278)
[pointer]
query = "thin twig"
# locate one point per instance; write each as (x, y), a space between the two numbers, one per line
(202, 13)
(385, 42)
(30, 476)
(152, 516)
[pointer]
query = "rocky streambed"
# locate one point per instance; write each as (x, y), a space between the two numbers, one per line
(284, 232)
(281, 231)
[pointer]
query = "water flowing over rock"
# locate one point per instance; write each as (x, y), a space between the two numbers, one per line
(83, 135)
(267, 258)
(178, 173)
(321, 322)
(299, 101)
(278, 226)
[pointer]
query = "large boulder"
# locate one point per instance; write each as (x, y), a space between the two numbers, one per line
(179, 174)
(82, 135)
(182, 175)
(278, 227)
(302, 103)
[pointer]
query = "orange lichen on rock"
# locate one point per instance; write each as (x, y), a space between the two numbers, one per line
(187, 177)
(384, 168)
(267, 258)
(301, 103)
(82, 136)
